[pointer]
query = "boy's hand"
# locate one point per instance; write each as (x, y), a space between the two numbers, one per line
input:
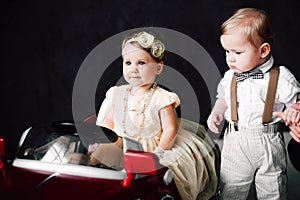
(214, 120)
(216, 116)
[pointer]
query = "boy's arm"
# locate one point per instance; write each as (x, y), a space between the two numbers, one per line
(217, 115)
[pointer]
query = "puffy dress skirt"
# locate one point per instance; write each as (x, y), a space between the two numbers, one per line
(194, 160)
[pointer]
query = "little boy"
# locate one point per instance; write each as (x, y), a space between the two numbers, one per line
(253, 144)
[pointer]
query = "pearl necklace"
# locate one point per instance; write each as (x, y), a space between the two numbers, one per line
(147, 99)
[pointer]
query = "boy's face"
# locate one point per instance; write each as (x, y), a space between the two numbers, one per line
(139, 68)
(241, 55)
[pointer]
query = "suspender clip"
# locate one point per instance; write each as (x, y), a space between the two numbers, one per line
(265, 127)
(236, 126)
(271, 127)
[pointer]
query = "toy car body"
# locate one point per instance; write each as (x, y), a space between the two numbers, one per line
(42, 169)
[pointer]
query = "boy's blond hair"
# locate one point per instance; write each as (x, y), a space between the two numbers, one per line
(255, 25)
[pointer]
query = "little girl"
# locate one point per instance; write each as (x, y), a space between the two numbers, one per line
(144, 111)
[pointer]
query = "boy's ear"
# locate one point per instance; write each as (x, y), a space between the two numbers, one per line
(265, 50)
(160, 67)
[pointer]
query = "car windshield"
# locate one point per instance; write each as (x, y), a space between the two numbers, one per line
(62, 146)
(52, 147)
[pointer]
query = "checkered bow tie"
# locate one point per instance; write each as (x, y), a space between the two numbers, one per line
(255, 74)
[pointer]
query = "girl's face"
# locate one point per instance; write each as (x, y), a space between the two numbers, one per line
(139, 68)
(241, 55)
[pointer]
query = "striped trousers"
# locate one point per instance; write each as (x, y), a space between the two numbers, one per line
(253, 155)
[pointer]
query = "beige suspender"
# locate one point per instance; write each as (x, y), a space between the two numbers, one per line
(233, 100)
(270, 97)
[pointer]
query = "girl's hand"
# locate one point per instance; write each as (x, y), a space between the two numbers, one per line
(92, 148)
(159, 152)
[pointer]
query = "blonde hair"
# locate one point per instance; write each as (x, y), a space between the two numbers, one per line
(255, 25)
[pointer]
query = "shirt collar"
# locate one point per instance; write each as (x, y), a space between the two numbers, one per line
(265, 67)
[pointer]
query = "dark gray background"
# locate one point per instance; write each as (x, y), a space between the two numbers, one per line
(43, 44)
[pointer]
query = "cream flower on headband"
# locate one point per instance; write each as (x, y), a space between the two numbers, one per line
(146, 40)
(158, 48)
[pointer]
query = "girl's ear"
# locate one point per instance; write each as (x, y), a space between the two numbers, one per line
(265, 50)
(159, 68)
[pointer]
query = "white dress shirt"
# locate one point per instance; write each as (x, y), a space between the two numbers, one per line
(251, 94)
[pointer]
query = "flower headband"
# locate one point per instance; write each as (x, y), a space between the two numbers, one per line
(148, 41)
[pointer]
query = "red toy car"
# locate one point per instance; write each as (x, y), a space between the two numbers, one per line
(42, 169)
